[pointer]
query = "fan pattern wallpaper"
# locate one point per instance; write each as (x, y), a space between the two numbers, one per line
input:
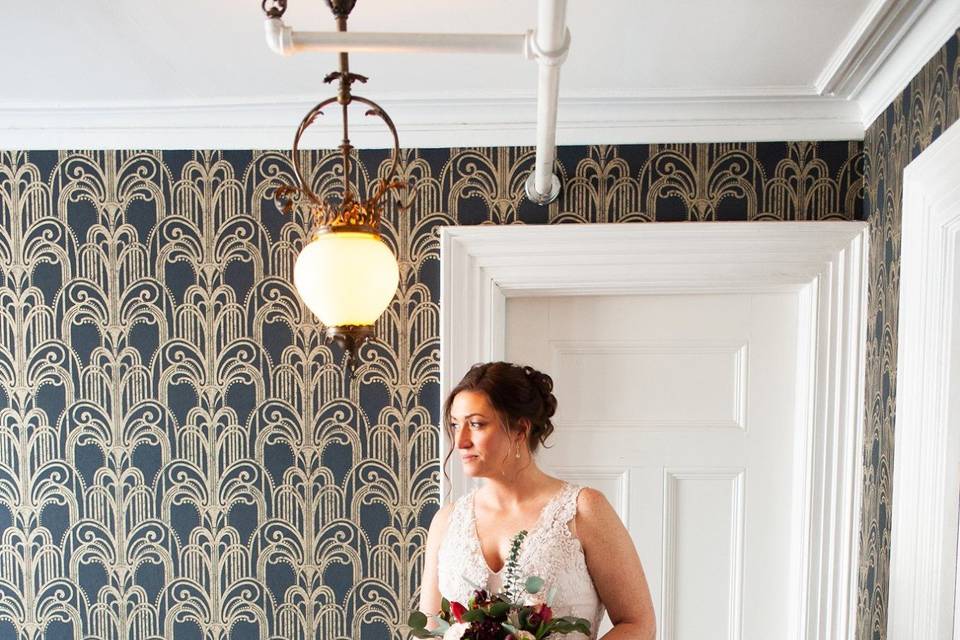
(181, 456)
(923, 111)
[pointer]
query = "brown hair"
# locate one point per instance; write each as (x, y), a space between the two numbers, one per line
(515, 392)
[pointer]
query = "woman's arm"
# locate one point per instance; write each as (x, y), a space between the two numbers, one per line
(615, 568)
(430, 583)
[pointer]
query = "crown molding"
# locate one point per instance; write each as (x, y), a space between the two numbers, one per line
(935, 25)
(442, 120)
(885, 49)
(871, 40)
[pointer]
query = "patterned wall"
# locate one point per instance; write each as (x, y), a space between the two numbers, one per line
(929, 105)
(180, 454)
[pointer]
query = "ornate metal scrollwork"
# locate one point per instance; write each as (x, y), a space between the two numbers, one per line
(274, 8)
(351, 213)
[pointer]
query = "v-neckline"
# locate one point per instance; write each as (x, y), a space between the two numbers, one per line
(536, 527)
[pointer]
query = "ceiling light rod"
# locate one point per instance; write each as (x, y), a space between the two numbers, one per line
(285, 41)
(548, 45)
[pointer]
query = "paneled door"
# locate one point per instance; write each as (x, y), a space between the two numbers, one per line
(682, 409)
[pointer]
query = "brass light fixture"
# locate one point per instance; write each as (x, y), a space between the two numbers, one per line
(345, 274)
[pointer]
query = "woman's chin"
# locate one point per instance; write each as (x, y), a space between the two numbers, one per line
(472, 469)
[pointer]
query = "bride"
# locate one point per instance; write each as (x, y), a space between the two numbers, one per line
(497, 417)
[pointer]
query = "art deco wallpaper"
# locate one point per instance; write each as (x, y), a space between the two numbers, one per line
(929, 105)
(181, 455)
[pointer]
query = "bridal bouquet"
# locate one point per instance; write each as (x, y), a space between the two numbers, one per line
(519, 612)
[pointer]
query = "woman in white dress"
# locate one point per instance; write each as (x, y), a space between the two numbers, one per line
(497, 417)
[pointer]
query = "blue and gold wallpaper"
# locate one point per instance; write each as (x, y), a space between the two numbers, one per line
(181, 456)
(923, 111)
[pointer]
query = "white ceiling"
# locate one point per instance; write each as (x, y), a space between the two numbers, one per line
(185, 73)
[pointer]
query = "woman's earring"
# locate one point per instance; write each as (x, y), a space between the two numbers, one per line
(518, 450)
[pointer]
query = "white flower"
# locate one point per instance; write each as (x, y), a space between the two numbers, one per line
(525, 635)
(455, 632)
(533, 599)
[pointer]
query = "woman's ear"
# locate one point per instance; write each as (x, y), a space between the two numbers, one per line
(525, 427)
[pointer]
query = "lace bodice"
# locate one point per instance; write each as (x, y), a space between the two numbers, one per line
(550, 551)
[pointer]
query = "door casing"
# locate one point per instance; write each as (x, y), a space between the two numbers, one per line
(824, 262)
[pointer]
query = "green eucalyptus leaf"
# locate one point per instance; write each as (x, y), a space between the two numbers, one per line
(474, 615)
(445, 605)
(499, 609)
(510, 628)
(551, 595)
(534, 584)
(417, 620)
(421, 633)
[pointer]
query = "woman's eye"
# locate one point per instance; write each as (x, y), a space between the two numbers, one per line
(476, 425)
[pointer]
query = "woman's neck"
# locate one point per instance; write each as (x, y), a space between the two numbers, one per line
(519, 488)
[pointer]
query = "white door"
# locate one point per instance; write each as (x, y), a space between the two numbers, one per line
(681, 409)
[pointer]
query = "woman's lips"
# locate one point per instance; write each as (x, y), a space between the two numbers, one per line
(467, 458)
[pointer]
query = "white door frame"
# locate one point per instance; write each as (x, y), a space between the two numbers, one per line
(926, 469)
(825, 262)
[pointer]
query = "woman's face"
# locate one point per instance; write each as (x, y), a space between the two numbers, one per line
(478, 437)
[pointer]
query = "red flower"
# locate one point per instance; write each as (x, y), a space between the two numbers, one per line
(457, 610)
(547, 613)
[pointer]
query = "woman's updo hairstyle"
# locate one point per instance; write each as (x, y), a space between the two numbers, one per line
(515, 392)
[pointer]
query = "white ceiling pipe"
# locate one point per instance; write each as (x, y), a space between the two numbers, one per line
(550, 46)
(284, 40)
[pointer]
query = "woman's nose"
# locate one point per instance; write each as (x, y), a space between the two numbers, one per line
(463, 438)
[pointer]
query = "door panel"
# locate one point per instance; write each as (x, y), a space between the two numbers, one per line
(681, 409)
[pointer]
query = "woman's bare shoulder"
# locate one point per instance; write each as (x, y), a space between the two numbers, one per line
(441, 519)
(592, 502)
(594, 514)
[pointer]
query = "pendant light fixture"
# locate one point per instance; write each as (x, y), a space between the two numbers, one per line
(345, 274)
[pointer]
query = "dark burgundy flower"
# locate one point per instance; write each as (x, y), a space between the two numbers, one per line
(485, 630)
(547, 613)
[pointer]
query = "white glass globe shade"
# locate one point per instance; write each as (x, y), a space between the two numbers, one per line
(346, 277)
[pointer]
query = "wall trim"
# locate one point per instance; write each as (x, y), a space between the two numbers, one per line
(482, 266)
(926, 480)
(441, 120)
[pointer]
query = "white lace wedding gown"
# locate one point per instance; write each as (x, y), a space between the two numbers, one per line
(550, 550)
